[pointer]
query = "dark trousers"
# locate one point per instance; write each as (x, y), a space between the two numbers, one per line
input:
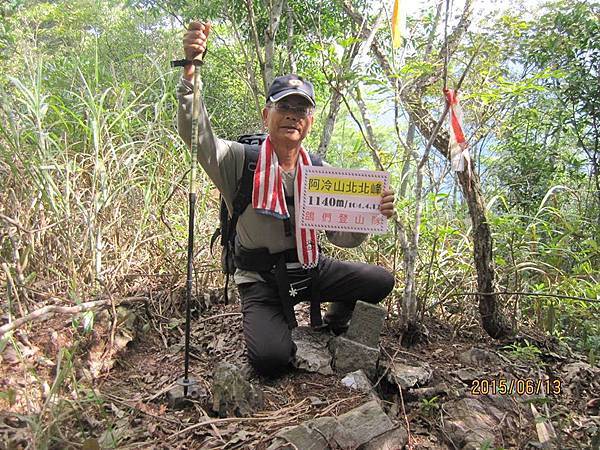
(266, 332)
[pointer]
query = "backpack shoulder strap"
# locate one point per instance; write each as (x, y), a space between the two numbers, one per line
(241, 199)
(243, 193)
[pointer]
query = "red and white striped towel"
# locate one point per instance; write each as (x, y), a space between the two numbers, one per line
(268, 198)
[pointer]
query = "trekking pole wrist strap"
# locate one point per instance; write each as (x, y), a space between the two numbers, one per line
(188, 62)
(181, 62)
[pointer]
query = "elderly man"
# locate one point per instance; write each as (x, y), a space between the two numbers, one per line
(277, 263)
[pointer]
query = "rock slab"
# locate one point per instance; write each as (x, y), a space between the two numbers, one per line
(472, 424)
(365, 423)
(366, 324)
(355, 429)
(312, 350)
(394, 439)
(233, 395)
(350, 356)
(479, 357)
(358, 381)
(409, 376)
(177, 400)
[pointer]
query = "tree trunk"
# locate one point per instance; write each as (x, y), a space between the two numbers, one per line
(408, 156)
(362, 107)
(254, 31)
(290, 38)
(493, 321)
(248, 64)
(276, 7)
(340, 81)
(408, 306)
(334, 108)
(492, 318)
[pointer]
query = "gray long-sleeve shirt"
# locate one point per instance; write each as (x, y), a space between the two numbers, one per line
(223, 162)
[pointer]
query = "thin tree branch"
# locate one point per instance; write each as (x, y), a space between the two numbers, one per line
(253, 29)
(46, 312)
(533, 294)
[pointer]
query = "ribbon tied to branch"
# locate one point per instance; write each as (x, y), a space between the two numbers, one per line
(457, 144)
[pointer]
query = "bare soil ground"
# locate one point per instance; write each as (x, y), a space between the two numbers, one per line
(65, 388)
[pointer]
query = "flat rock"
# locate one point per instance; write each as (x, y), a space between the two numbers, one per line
(233, 395)
(393, 439)
(358, 381)
(366, 324)
(312, 353)
(312, 435)
(479, 357)
(469, 374)
(176, 399)
(409, 376)
(364, 423)
(472, 424)
(349, 356)
(348, 431)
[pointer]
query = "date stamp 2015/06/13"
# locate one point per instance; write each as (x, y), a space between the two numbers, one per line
(515, 386)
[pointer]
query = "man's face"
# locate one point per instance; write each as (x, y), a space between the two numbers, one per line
(290, 119)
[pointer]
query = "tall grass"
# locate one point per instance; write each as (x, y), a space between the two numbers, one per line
(86, 173)
(92, 201)
(553, 251)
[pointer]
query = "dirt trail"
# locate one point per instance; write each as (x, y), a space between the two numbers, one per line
(92, 397)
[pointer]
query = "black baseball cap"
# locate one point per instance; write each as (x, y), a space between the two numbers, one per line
(291, 85)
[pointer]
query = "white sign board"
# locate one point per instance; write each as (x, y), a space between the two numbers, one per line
(342, 199)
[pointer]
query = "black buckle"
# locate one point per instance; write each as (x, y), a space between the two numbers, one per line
(180, 62)
(186, 62)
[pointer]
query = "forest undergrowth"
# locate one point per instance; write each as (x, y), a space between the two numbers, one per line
(93, 203)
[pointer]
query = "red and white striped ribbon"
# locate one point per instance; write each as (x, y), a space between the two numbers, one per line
(268, 198)
(457, 144)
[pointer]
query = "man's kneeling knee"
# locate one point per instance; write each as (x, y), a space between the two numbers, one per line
(387, 284)
(272, 360)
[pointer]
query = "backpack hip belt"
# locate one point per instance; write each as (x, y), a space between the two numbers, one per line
(272, 267)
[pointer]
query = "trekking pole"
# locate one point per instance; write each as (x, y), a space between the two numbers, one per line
(197, 62)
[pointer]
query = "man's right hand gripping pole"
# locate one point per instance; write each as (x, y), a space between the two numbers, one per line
(194, 45)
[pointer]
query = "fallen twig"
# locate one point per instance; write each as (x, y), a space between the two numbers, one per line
(409, 444)
(224, 420)
(217, 316)
(280, 412)
(128, 404)
(333, 405)
(214, 428)
(159, 393)
(46, 312)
